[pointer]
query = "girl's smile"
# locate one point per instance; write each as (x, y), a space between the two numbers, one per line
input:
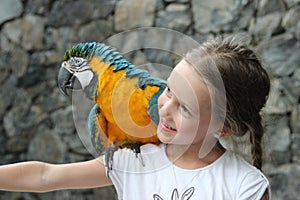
(166, 128)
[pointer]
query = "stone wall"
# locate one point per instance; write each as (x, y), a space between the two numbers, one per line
(36, 119)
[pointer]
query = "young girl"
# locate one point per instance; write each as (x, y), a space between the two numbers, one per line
(216, 91)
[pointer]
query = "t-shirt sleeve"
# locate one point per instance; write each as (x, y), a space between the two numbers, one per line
(253, 186)
(125, 163)
(115, 174)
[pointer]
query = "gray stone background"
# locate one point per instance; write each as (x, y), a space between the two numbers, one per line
(36, 119)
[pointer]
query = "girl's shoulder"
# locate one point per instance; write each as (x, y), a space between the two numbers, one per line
(232, 163)
(235, 170)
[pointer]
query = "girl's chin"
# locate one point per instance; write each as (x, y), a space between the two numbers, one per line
(165, 137)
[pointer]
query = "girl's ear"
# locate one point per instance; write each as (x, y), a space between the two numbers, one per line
(226, 131)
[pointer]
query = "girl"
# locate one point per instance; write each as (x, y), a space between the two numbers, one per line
(216, 91)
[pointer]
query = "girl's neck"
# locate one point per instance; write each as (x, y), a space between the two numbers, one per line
(188, 158)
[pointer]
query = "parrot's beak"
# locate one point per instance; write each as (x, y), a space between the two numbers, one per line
(64, 80)
(67, 79)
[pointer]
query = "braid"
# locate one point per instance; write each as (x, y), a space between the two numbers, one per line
(256, 134)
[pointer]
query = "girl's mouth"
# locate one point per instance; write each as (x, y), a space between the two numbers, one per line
(166, 127)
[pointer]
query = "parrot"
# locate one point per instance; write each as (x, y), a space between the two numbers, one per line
(125, 111)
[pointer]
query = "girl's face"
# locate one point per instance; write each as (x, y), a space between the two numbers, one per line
(184, 107)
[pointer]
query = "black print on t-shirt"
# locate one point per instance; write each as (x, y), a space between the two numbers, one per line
(175, 195)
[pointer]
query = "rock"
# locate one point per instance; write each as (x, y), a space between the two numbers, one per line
(176, 17)
(37, 69)
(15, 61)
(295, 119)
(35, 73)
(265, 26)
(177, 1)
(63, 194)
(63, 121)
(279, 182)
(27, 31)
(22, 119)
(19, 125)
(277, 103)
(139, 58)
(3, 140)
(18, 61)
(285, 182)
(266, 7)
(51, 102)
(291, 3)
(108, 193)
(297, 30)
(97, 30)
(10, 9)
(40, 7)
(296, 147)
(151, 39)
(291, 64)
(290, 89)
(4, 67)
(6, 44)
(242, 15)
(291, 18)
(70, 13)
(279, 139)
(163, 58)
(102, 9)
(61, 39)
(46, 146)
(9, 89)
(211, 15)
(134, 13)
(279, 55)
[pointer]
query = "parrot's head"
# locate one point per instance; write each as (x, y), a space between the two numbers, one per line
(76, 74)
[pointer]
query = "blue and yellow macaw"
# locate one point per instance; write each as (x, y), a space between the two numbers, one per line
(125, 114)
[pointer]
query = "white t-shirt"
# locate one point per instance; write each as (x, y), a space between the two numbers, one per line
(154, 177)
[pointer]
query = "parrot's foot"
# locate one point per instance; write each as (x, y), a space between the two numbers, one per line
(109, 154)
(136, 147)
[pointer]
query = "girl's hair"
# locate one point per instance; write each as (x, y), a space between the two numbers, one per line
(245, 83)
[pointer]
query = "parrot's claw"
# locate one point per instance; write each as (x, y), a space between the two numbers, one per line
(140, 157)
(109, 158)
(136, 147)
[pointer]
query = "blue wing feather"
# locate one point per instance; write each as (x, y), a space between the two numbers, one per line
(94, 130)
(153, 107)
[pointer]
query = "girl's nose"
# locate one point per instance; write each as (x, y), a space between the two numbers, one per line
(164, 106)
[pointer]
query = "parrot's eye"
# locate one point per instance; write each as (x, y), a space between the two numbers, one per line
(76, 63)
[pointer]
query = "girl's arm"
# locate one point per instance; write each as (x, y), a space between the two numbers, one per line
(43, 177)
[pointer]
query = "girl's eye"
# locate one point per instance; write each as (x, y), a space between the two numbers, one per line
(185, 110)
(168, 92)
